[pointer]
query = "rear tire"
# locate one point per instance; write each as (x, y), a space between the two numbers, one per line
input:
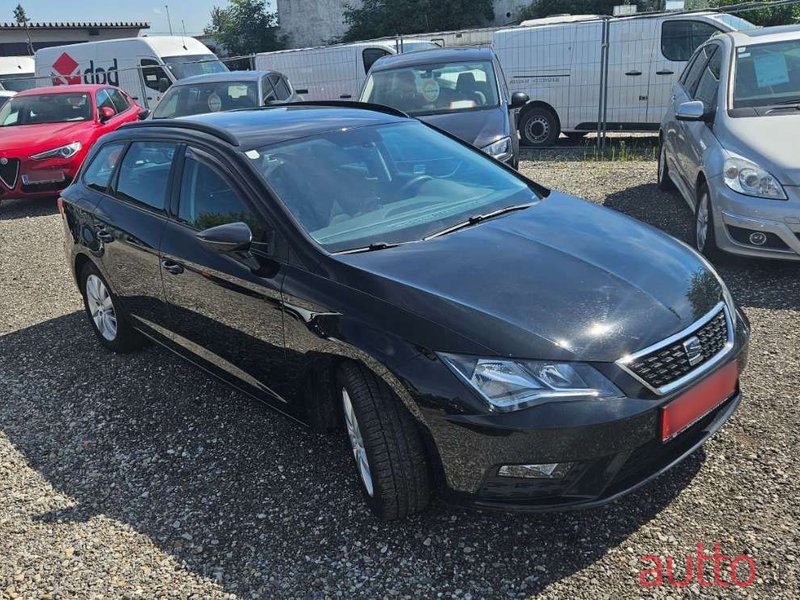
(387, 448)
(107, 317)
(704, 239)
(664, 181)
(539, 127)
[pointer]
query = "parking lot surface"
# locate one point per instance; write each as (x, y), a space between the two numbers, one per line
(140, 476)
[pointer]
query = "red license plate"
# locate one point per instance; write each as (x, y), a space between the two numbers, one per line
(692, 406)
(35, 177)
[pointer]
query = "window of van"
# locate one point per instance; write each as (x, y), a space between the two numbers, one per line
(370, 55)
(152, 73)
(681, 37)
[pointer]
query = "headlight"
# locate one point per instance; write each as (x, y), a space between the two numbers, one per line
(746, 177)
(501, 149)
(67, 151)
(514, 384)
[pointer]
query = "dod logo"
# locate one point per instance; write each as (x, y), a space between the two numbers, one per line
(66, 71)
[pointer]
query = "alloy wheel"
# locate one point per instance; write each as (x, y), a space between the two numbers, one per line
(701, 222)
(357, 443)
(662, 163)
(101, 307)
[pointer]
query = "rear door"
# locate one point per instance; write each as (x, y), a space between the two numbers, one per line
(129, 224)
(225, 306)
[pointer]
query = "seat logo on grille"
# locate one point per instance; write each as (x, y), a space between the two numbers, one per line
(693, 349)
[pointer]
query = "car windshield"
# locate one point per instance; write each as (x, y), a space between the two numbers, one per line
(429, 89)
(17, 84)
(184, 100)
(767, 74)
(194, 64)
(46, 108)
(384, 184)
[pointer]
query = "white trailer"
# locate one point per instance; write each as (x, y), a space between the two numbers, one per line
(144, 67)
(557, 62)
(16, 73)
(332, 72)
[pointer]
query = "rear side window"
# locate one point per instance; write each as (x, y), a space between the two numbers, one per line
(680, 38)
(709, 81)
(693, 74)
(281, 89)
(121, 102)
(144, 173)
(152, 73)
(104, 101)
(98, 173)
(208, 200)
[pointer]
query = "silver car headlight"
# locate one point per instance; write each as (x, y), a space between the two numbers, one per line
(67, 151)
(508, 385)
(746, 177)
(501, 149)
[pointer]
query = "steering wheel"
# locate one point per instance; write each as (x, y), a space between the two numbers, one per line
(413, 183)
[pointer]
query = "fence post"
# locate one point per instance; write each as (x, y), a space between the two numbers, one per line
(602, 99)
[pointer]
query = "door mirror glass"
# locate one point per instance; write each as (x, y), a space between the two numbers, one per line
(106, 113)
(230, 237)
(694, 110)
(518, 99)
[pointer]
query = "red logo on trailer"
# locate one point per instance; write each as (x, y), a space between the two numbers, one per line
(66, 71)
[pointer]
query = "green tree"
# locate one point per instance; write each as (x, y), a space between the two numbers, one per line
(245, 27)
(377, 18)
(776, 15)
(19, 14)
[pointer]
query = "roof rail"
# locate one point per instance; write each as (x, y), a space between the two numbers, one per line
(185, 124)
(333, 104)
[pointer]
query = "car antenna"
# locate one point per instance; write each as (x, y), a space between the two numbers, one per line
(183, 38)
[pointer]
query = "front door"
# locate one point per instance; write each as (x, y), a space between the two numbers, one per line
(225, 306)
(629, 52)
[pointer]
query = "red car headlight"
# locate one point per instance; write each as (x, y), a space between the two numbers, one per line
(66, 151)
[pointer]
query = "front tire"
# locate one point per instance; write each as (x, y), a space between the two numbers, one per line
(106, 315)
(387, 449)
(664, 181)
(539, 127)
(704, 239)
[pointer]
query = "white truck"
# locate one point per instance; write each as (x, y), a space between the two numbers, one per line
(332, 72)
(557, 62)
(16, 73)
(144, 67)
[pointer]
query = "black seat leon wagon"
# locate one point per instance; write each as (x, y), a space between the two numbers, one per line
(475, 333)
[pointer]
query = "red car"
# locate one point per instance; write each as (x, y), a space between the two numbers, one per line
(45, 133)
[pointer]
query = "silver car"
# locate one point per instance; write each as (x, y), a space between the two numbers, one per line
(730, 143)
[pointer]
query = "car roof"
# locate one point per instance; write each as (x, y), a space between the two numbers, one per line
(64, 89)
(253, 128)
(223, 77)
(765, 35)
(427, 57)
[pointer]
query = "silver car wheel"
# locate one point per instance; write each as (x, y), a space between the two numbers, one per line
(357, 443)
(537, 129)
(701, 221)
(662, 163)
(101, 307)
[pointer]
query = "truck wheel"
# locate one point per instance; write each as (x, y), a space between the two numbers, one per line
(539, 127)
(389, 454)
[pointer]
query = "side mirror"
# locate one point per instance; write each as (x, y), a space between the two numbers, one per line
(143, 114)
(163, 84)
(695, 110)
(230, 237)
(106, 113)
(518, 99)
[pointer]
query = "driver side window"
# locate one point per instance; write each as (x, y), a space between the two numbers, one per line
(144, 174)
(208, 200)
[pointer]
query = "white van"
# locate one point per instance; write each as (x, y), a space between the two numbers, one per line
(144, 67)
(16, 73)
(557, 62)
(332, 72)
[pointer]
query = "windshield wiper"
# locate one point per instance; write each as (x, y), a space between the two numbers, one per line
(475, 219)
(795, 101)
(371, 248)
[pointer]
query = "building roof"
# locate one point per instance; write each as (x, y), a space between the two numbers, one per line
(430, 57)
(77, 25)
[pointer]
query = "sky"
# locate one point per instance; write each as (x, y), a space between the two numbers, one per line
(195, 13)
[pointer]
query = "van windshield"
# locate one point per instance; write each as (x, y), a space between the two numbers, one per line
(46, 108)
(16, 83)
(384, 184)
(431, 89)
(194, 64)
(767, 74)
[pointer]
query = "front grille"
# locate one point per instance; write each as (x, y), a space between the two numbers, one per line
(9, 172)
(668, 364)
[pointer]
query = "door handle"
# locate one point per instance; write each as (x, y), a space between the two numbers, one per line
(665, 72)
(345, 96)
(633, 73)
(172, 267)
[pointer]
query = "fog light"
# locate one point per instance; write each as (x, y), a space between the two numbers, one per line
(540, 471)
(758, 239)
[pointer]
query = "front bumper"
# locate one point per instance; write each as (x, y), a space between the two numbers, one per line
(37, 178)
(736, 216)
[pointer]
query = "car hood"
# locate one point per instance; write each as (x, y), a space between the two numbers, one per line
(770, 141)
(477, 127)
(563, 279)
(30, 139)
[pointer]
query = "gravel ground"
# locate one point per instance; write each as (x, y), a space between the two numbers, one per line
(141, 477)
